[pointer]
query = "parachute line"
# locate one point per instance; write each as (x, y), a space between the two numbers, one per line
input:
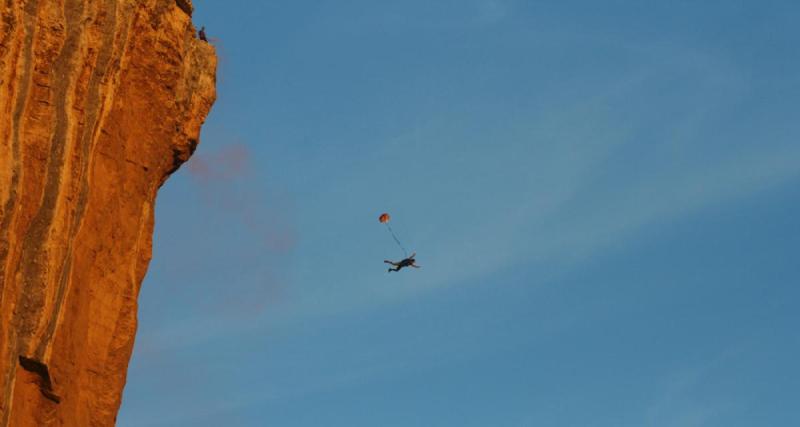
(389, 227)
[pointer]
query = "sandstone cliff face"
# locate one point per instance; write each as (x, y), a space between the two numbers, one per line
(100, 101)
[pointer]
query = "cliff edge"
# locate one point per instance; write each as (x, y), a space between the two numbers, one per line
(100, 101)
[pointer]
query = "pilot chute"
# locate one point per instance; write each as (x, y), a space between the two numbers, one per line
(384, 219)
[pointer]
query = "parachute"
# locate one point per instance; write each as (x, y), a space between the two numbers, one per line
(384, 219)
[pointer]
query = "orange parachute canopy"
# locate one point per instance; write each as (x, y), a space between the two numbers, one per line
(384, 218)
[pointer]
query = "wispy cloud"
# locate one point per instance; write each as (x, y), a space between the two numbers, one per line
(493, 11)
(679, 400)
(562, 185)
(557, 185)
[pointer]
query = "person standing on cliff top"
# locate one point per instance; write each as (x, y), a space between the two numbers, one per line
(202, 34)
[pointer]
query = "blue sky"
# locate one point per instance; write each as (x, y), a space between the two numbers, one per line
(604, 200)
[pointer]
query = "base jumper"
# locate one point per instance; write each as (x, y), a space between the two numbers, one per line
(408, 262)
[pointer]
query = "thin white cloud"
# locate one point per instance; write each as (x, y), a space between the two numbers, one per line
(527, 189)
(540, 201)
(492, 11)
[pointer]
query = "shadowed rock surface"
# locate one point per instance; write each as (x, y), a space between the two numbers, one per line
(100, 101)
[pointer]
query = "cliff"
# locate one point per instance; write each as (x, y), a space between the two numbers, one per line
(100, 101)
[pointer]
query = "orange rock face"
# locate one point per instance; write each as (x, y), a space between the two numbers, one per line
(100, 101)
